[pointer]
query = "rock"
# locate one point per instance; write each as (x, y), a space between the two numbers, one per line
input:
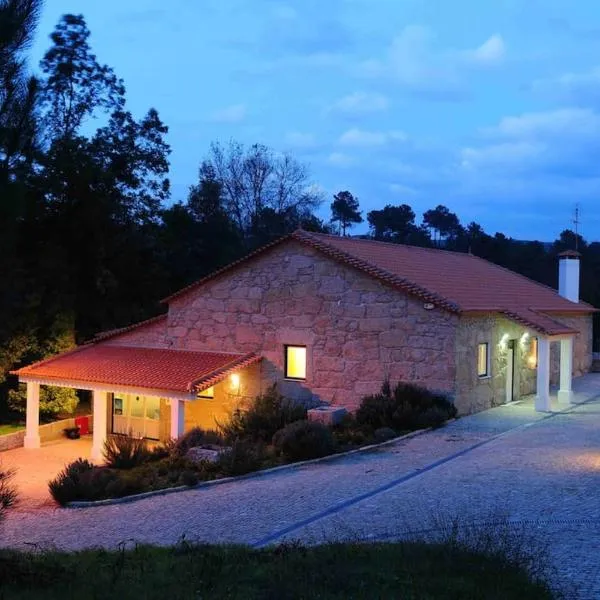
(202, 454)
(328, 415)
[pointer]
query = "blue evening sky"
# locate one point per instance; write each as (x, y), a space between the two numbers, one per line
(492, 108)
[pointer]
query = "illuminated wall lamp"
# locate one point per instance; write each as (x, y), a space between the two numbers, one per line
(235, 382)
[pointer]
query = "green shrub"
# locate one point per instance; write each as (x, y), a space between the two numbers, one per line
(125, 452)
(265, 415)
(303, 440)
(70, 484)
(8, 492)
(189, 478)
(196, 437)
(54, 401)
(242, 457)
(405, 408)
(383, 434)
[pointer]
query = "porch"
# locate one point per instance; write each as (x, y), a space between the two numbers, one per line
(149, 392)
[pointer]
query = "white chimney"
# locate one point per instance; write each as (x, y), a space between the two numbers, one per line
(568, 275)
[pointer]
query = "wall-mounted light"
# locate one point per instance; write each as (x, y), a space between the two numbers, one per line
(235, 382)
(504, 341)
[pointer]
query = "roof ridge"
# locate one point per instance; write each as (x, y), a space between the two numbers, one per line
(528, 279)
(384, 243)
(375, 271)
(105, 335)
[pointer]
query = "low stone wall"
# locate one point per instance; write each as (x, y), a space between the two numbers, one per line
(48, 433)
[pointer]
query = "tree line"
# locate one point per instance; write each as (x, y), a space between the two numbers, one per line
(89, 239)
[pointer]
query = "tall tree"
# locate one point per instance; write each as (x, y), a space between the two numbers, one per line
(345, 211)
(76, 85)
(442, 222)
(256, 179)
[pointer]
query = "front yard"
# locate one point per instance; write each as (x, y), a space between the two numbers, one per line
(272, 431)
(403, 570)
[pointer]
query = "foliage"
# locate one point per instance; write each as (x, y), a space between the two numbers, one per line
(303, 440)
(54, 401)
(345, 211)
(408, 570)
(73, 482)
(196, 437)
(263, 417)
(125, 451)
(445, 224)
(243, 456)
(404, 408)
(8, 492)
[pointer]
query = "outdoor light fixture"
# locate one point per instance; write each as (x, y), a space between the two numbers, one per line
(504, 341)
(235, 382)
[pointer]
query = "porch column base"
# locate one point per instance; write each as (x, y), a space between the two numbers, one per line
(565, 397)
(31, 442)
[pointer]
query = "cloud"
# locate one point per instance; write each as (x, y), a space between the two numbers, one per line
(297, 139)
(364, 139)
(339, 159)
(361, 103)
(582, 87)
(490, 53)
(415, 61)
(230, 114)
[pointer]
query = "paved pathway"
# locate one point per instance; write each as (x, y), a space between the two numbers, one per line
(509, 462)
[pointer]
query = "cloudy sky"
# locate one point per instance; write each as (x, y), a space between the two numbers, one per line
(492, 108)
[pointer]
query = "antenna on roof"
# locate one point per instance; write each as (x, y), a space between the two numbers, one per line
(576, 222)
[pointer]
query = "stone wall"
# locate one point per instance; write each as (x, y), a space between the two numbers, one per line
(357, 330)
(474, 393)
(150, 335)
(48, 433)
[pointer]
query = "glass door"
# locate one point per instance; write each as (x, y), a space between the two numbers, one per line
(138, 416)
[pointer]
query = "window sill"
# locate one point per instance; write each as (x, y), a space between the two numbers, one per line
(295, 379)
(483, 377)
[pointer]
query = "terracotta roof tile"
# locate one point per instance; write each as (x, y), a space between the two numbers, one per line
(170, 370)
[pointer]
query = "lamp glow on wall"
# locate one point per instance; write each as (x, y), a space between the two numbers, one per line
(504, 341)
(235, 382)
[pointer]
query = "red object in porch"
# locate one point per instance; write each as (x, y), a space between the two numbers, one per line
(84, 425)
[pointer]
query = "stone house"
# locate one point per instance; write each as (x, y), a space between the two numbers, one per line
(329, 319)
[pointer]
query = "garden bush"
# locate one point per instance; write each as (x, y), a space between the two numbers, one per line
(196, 437)
(303, 440)
(265, 415)
(125, 452)
(406, 407)
(243, 456)
(75, 482)
(8, 492)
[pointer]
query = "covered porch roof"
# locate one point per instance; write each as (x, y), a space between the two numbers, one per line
(178, 373)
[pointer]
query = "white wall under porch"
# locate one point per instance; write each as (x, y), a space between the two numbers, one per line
(100, 410)
(565, 392)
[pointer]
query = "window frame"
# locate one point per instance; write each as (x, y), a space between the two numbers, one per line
(286, 347)
(487, 360)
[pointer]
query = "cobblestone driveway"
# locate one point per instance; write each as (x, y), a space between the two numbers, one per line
(510, 462)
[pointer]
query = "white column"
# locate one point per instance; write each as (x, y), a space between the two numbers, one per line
(565, 393)
(32, 427)
(100, 424)
(542, 397)
(177, 418)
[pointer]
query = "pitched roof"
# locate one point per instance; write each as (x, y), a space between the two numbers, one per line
(179, 371)
(455, 281)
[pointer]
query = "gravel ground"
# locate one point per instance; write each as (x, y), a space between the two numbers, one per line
(507, 464)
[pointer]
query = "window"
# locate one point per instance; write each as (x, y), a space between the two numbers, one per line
(295, 362)
(483, 360)
(207, 393)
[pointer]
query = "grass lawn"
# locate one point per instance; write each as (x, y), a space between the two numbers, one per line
(407, 571)
(10, 428)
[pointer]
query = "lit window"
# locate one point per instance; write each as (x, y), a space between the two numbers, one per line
(483, 360)
(207, 393)
(295, 362)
